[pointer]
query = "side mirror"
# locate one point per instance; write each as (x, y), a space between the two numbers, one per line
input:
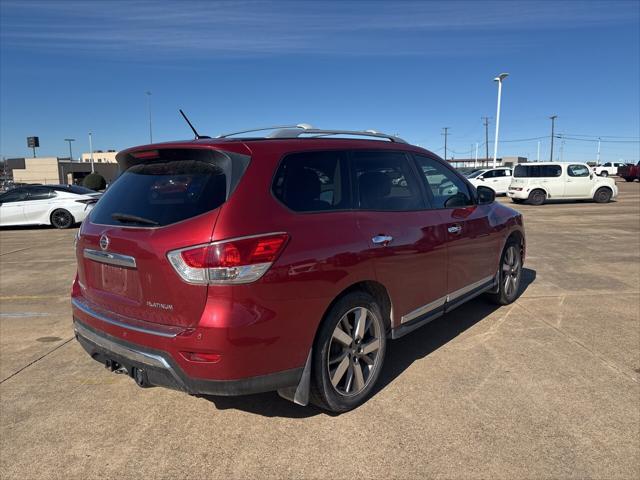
(480, 177)
(486, 195)
(591, 176)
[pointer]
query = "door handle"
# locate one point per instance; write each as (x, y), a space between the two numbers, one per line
(454, 229)
(383, 240)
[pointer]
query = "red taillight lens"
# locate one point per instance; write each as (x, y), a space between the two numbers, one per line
(203, 357)
(241, 260)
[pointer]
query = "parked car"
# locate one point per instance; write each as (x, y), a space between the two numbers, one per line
(540, 181)
(609, 168)
(285, 263)
(630, 172)
(497, 179)
(59, 205)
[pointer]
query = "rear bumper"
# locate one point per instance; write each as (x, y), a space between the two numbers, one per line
(519, 194)
(159, 369)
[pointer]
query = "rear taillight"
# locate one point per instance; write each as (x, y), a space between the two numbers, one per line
(88, 201)
(228, 262)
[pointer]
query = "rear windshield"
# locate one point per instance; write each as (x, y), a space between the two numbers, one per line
(537, 171)
(173, 186)
(74, 189)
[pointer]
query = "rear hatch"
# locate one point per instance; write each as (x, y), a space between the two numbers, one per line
(166, 199)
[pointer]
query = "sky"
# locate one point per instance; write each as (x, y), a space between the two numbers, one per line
(70, 67)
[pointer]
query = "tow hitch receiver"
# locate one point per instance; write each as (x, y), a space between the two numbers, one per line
(138, 374)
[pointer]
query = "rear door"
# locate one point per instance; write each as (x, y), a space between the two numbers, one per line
(472, 243)
(406, 240)
(12, 207)
(37, 205)
(165, 200)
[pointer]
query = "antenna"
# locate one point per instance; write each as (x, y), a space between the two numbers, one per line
(198, 136)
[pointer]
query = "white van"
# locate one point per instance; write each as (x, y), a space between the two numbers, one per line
(539, 181)
(497, 179)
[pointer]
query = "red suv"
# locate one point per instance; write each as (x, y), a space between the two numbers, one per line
(239, 265)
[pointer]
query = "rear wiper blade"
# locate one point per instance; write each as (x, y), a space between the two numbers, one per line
(126, 218)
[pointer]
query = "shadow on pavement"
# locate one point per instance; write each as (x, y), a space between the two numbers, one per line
(401, 354)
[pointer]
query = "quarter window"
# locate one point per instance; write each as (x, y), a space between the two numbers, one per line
(385, 181)
(17, 195)
(313, 181)
(446, 188)
(578, 171)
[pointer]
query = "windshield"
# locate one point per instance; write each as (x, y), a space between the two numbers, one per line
(475, 174)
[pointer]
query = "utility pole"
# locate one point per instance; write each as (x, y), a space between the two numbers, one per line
(91, 151)
(598, 158)
(446, 134)
(486, 138)
(69, 140)
(538, 157)
(149, 109)
(562, 150)
(553, 124)
(475, 163)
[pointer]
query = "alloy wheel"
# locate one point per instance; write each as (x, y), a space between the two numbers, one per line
(353, 352)
(61, 219)
(511, 269)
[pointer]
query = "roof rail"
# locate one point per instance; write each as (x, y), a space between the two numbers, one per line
(294, 131)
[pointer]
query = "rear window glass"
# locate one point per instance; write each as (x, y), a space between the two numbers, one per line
(178, 185)
(75, 189)
(537, 171)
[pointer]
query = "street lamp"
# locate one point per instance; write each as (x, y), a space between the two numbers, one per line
(69, 140)
(91, 151)
(498, 79)
(553, 125)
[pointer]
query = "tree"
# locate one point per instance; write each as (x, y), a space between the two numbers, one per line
(94, 181)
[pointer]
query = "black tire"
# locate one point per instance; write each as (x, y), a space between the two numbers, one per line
(628, 179)
(327, 348)
(602, 195)
(517, 200)
(61, 218)
(537, 197)
(508, 291)
(604, 173)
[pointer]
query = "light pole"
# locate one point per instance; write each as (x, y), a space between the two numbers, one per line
(475, 163)
(553, 124)
(446, 134)
(149, 110)
(598, 159)
(91, 151)
(498, 79)
(538, 157)
(69, 140)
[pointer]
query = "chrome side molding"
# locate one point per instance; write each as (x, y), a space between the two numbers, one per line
(110, 258)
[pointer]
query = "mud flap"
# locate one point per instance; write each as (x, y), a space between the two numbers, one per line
(300, 393)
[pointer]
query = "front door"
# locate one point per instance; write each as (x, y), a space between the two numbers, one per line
(579, 182)
(473, 244)
(12, 207)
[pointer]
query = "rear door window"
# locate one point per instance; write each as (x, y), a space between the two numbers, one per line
(40, 193)
(578, 171)
(172, 186)
(537, 171)
(385, 181)
(313, 182)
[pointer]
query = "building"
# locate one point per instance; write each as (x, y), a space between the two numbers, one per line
(99, 156)
(54, 170)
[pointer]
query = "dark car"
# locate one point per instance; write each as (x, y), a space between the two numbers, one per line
(239, 265)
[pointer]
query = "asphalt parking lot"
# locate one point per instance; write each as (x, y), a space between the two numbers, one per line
(548, 387)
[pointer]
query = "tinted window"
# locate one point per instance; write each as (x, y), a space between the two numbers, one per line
(499, 173)
(578, 171)
(490, 174)
(74, 189)
(447, 189)
(475, 174)
(313, 181)
(16, 195)
(385, 181)
(537, 171)
(177, 185)
(40, 193)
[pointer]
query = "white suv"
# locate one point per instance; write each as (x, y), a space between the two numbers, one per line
(497, 179)
(537, 182)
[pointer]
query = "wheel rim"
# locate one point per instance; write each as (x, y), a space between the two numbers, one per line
(354, 351)
(603, 196)
(511, 268)
(61, 218)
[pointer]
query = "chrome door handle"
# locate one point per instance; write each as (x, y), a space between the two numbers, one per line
(454, 229)
(382, 239)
